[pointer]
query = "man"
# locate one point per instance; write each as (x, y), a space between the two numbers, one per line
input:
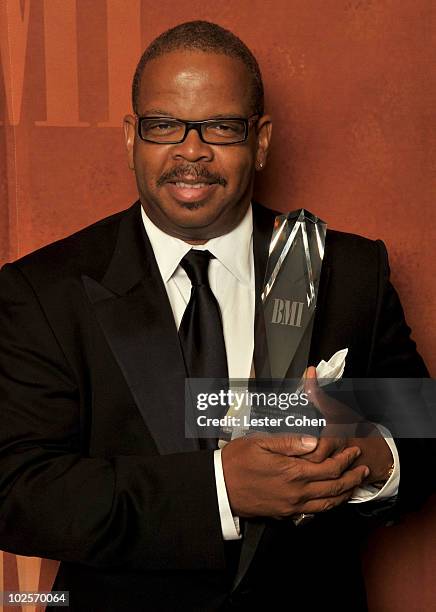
(99, 331)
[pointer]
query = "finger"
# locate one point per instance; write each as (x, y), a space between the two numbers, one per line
(330, 468)
(312, 388)
(333, 488)
(315, 506)
(333, 410)
(327, 446)
(310, 382)
(288, 445)
(310, 373)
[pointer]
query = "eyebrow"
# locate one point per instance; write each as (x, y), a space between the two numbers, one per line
(162, 113)
(156, 111)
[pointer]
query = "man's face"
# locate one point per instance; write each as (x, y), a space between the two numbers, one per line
(193, 190)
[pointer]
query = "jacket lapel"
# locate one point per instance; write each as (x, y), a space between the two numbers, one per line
(316, 355)
(263, 220)
(133, 310)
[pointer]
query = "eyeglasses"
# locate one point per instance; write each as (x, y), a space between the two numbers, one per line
(167, 130)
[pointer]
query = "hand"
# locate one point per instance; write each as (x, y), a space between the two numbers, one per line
(269, 476)
(375, 454)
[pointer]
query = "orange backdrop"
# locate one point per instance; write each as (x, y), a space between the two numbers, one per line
(349, 84)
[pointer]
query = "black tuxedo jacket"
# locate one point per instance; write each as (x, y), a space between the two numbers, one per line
(95, 470)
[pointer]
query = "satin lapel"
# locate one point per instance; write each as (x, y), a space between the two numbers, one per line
(263, 220)
(133, 310)
(315, 356)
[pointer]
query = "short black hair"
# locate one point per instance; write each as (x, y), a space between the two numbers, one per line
(209, 38)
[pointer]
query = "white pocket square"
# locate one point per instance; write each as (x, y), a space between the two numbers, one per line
(327, 371)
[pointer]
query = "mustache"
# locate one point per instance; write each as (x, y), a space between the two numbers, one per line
(191, 170)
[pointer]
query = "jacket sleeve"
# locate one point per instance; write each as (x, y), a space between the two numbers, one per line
(394, 356)
(394, 353)
(135, 512)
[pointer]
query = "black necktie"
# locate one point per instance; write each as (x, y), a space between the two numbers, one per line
(202, 340)
(201, 333)
(201, 330)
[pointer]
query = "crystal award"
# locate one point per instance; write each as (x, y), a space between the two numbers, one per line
(290, 294)
(283, 334)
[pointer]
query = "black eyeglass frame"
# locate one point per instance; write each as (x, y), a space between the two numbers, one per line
(196, 125)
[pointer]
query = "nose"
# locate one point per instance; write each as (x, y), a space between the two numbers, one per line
(193, 148)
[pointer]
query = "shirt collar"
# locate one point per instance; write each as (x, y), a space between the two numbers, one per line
(232, 249)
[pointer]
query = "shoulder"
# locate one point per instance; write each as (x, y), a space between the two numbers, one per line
(346, 244)
(355, 257)
(354, 242)
(87, 251)
(341, 248)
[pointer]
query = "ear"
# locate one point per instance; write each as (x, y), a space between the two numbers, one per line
(264, 132)
(129, 125)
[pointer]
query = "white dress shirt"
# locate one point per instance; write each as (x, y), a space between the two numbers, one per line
(231, 278)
